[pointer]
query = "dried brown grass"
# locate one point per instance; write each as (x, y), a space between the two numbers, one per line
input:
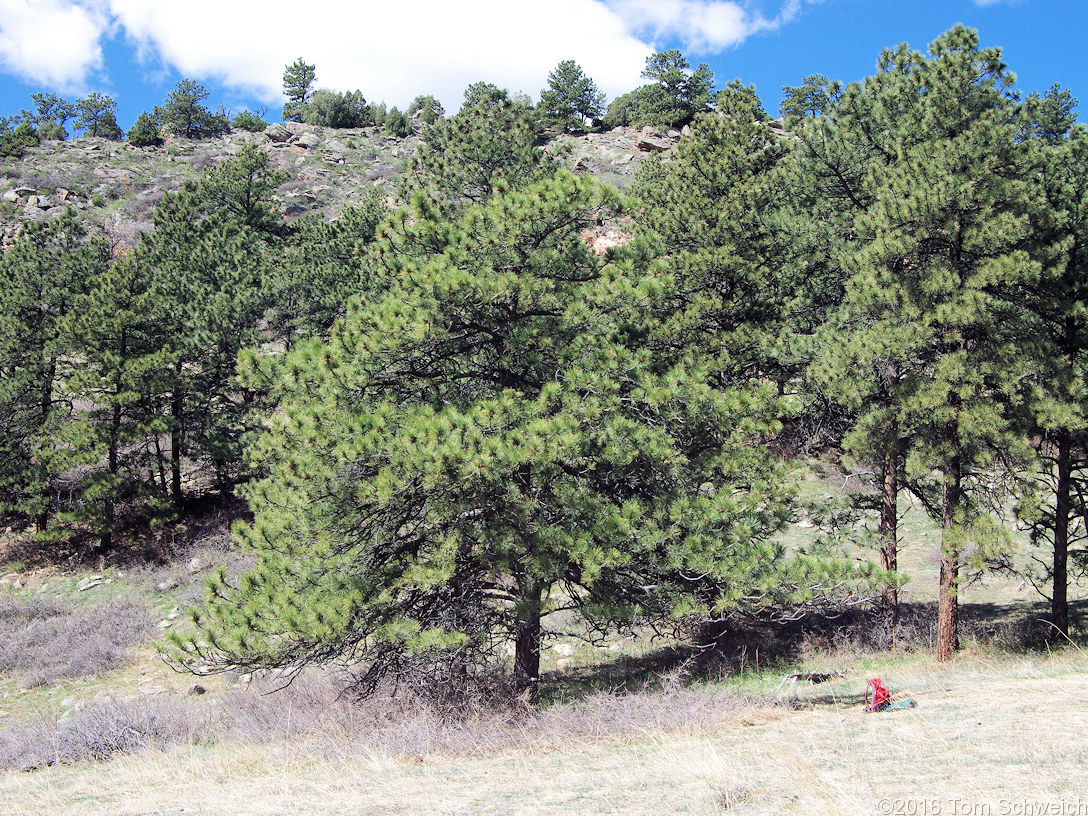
(43, 639)
(985, 732)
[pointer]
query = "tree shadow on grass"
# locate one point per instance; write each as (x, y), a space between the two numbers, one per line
(721, 651)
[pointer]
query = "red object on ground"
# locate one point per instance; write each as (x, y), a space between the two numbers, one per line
(877, 697)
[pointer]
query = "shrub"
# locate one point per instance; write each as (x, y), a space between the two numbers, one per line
(13, 143)
(248, 121)
(145, 131)
(100, 731)
(43, 639)
(336, 110)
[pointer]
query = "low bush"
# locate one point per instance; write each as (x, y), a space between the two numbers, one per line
(44, 640)
(100, 731)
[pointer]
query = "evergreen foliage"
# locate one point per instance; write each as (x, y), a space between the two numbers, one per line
(499, 455)
(249, 121)
(671, 101)
(397, 124)
(321, 269)
(815, 97)
(50, 115)
(336, 110)
(1057, 335)
(209, 257)
(572, 100)
(922, 346)
(710, 211)
(183, 114)
(427, 108)
(490, 144)
(123, 376)
(146, 131)
(96, 115)
(298, 79)
(457, 419)
(45, 271)
(15, 141)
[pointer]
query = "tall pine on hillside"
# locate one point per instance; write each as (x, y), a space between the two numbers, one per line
(209, 258)
(927, 337)
(121, 378)
(46, 270)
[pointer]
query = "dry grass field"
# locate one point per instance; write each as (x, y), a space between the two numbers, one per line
(989, 735)
(92, 722)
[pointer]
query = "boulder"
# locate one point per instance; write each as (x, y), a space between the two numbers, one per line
(308, 140)
(277, 133)
(648, 144)
(11, 197)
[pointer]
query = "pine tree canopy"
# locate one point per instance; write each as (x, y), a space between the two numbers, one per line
(478, 448)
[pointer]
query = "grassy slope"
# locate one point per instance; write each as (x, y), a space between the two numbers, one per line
(986, 731)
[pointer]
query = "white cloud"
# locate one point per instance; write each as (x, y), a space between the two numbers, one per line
(389, 50)
(701, 25)
(54, 42)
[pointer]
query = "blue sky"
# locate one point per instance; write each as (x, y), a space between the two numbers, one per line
(136, 50)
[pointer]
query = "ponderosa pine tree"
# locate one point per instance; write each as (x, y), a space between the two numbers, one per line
(427, 108)
(183, 114)
(853, 373)
(709, 214)
(1057, 335)
(44, 272)
(298, 81)
(677, 95)
(320, 268)
(241, 189)
(479, 448)
(123, 373)
(50, 115)
(209, 256)
(572, 100)
(96, 115)
(491, 143)
(934, 245)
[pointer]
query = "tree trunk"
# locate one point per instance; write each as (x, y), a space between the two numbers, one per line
(527, 644)
(1059, 600)
(109, 504)
(41, 521)
(175, 450)
(159, 459)
(889, 529)
(948, 641)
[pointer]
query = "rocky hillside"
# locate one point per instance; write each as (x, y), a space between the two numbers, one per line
(116, 187)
